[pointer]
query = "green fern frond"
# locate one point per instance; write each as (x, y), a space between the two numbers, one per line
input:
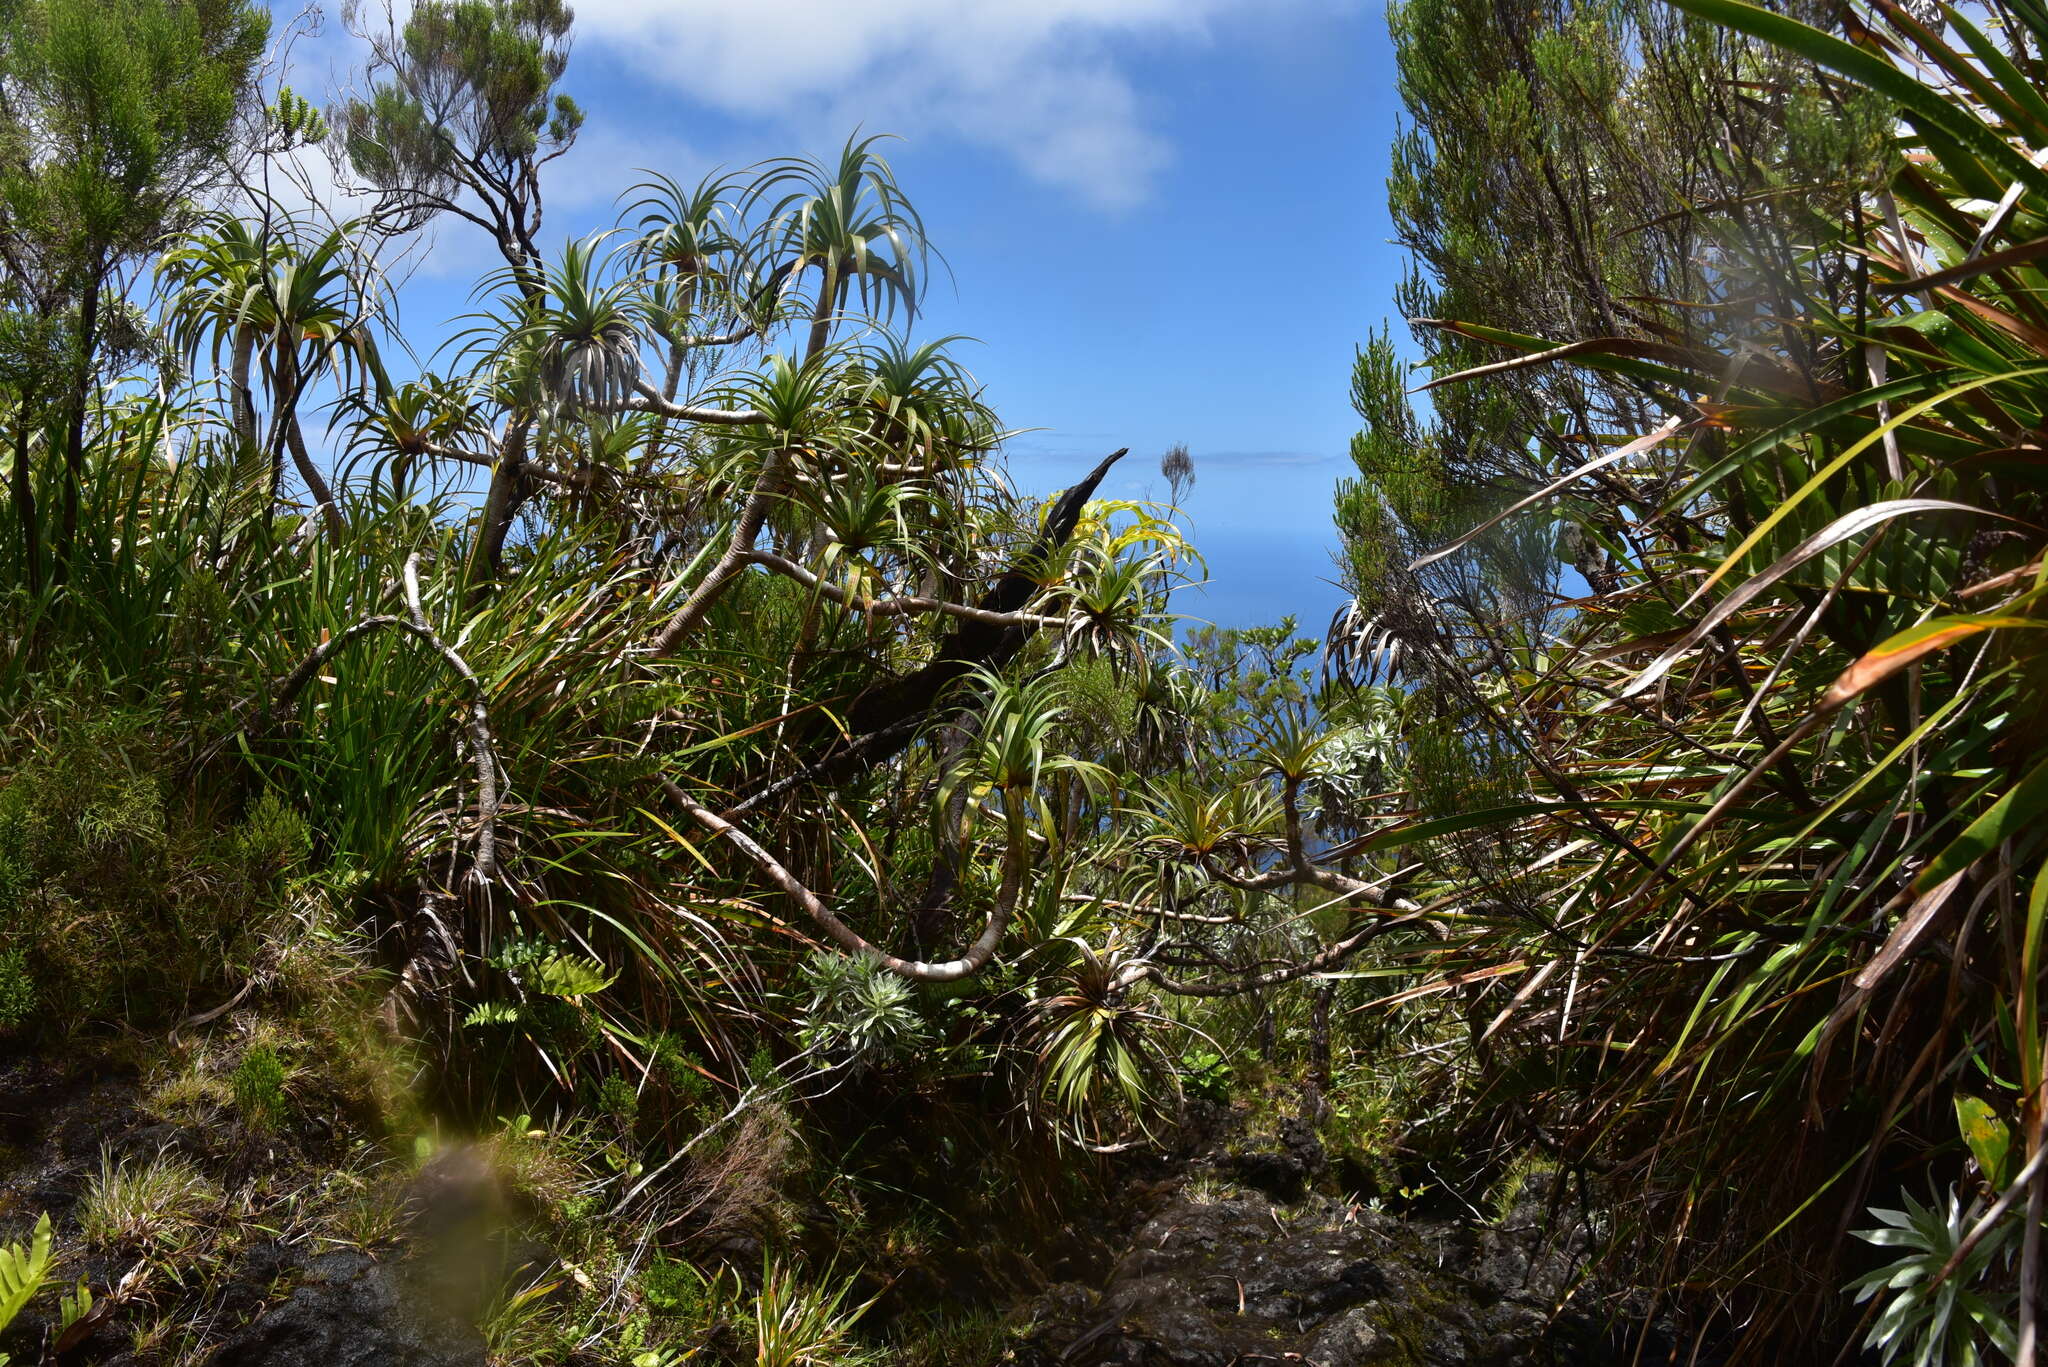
(569, 975)
(22, 1270)
(491, 1013)
(74, 1305)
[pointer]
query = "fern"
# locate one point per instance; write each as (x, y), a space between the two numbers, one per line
(74, 1306)
(22, 1270)
(568, 975)
(491, 1013)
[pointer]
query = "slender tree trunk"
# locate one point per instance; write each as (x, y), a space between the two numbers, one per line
(1315, 1099)
(240, 398)
(25, 504)
(509, 483)
(74, 438)
(501, 505)
(767, 488)
(1319, 1035)
(295, 442)
(821, 312)
(316, 483)
(928, 918)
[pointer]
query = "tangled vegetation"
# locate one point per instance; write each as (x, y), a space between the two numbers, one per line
(652, 744)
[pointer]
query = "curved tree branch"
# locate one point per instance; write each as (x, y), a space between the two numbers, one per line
(485, 751)
(1321, 962)
(285, 696)
(648, 399)
(901, 606)
(753, 516)
(972, 961)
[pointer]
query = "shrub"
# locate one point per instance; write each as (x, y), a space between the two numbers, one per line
(159, 901)
(258, 1083)
(859, 1013)
(17, 989)
(617, 1100)
(1206, 1074)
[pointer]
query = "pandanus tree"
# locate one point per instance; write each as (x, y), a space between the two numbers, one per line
(698, 292)
(561, 344)
(278, 298)
(849, 222)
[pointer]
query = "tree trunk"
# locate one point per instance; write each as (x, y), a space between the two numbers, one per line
(295, 442)
(928, 919)
(767, 488)
(240, 399)
(821, 312)
(25, 504)
(1319, 1036)
(316, 484)
(74, 437)
(501, 505)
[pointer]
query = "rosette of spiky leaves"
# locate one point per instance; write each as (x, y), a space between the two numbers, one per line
(211, 277)
(802, 404)
(687, 236)
(1945, 1323)
(863, 519)
(1097, 1060)
(1112, 605)
(602, 442)
(1183, 818)
(573, 343)
(926, 411)
(697, 283)
(1290, 747)
(397, 430)
(851, 223)
(1014, 749)
(859, 1014)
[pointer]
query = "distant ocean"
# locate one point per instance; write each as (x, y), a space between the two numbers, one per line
(1257, 576)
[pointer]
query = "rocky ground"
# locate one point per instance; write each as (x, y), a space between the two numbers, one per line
(241, 1282)
(1242, 1260)
(1237, 1251)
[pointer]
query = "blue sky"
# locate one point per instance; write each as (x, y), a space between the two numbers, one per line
(1164, 219)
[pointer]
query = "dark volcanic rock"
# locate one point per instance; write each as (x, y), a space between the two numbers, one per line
(353, 1311)
(1237, 1278)
(1286, 1171)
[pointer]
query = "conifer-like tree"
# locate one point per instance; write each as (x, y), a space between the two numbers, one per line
(116, 116)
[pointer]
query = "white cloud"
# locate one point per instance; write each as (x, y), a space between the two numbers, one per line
(1046, 83)
(1036, 80)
